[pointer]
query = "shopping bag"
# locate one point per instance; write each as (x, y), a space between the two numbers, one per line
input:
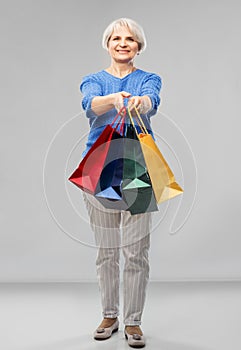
(87, 175)
(124, 181)
(137, 190)
(162, 178)
(109, 188)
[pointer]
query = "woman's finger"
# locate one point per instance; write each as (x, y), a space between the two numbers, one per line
(134, 102)
(125, 94)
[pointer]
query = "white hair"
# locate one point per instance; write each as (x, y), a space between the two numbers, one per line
(134, 28)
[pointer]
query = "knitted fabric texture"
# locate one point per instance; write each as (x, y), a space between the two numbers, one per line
(137, 83)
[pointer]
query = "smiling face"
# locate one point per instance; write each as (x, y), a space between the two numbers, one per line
(122, 45)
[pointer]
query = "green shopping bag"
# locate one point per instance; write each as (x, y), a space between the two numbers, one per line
(137, 191)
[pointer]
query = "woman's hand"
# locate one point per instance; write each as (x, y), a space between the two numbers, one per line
(118, 99)
(134, 102)
(141, 103)
(102, 104)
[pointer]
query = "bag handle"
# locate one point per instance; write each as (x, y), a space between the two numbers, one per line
(121, 121)
(139, 121)
(118, 115)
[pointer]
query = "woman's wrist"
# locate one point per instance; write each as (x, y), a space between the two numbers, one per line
(145, 105)
(102, 104)
(112, 99)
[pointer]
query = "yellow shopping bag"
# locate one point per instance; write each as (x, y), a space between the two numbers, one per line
(162, 178)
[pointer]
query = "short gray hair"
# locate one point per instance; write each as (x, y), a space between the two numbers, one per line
(134, 28)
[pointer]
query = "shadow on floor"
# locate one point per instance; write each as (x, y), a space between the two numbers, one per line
(117, 342)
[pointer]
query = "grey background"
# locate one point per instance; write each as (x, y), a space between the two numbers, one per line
(46, 49)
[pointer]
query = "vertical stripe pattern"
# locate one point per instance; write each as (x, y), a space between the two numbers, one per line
(115, 230)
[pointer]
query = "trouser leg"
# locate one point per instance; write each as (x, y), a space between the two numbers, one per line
(107, 266)
(106, 227)
(136, 266)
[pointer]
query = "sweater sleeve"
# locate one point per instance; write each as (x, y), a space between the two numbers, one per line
(152, 87)
(90, 88)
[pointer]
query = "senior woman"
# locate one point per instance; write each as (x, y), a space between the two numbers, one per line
(104, 94)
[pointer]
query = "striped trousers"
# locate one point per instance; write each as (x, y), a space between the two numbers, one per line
(117, 230)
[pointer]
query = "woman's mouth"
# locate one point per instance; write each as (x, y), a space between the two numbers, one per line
(123, 51)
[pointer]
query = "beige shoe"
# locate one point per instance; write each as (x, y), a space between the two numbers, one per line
(102, 333)
(135, 337)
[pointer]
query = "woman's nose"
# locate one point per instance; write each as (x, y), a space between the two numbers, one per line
(122, 43)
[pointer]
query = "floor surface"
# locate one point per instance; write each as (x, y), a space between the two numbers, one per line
(177, 316)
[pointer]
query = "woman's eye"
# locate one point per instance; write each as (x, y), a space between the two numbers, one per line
(117, 38)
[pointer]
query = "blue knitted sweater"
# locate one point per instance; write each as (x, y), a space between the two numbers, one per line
(137, 83)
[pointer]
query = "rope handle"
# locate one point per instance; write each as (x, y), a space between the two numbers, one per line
(139, 121)
(121, 121)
